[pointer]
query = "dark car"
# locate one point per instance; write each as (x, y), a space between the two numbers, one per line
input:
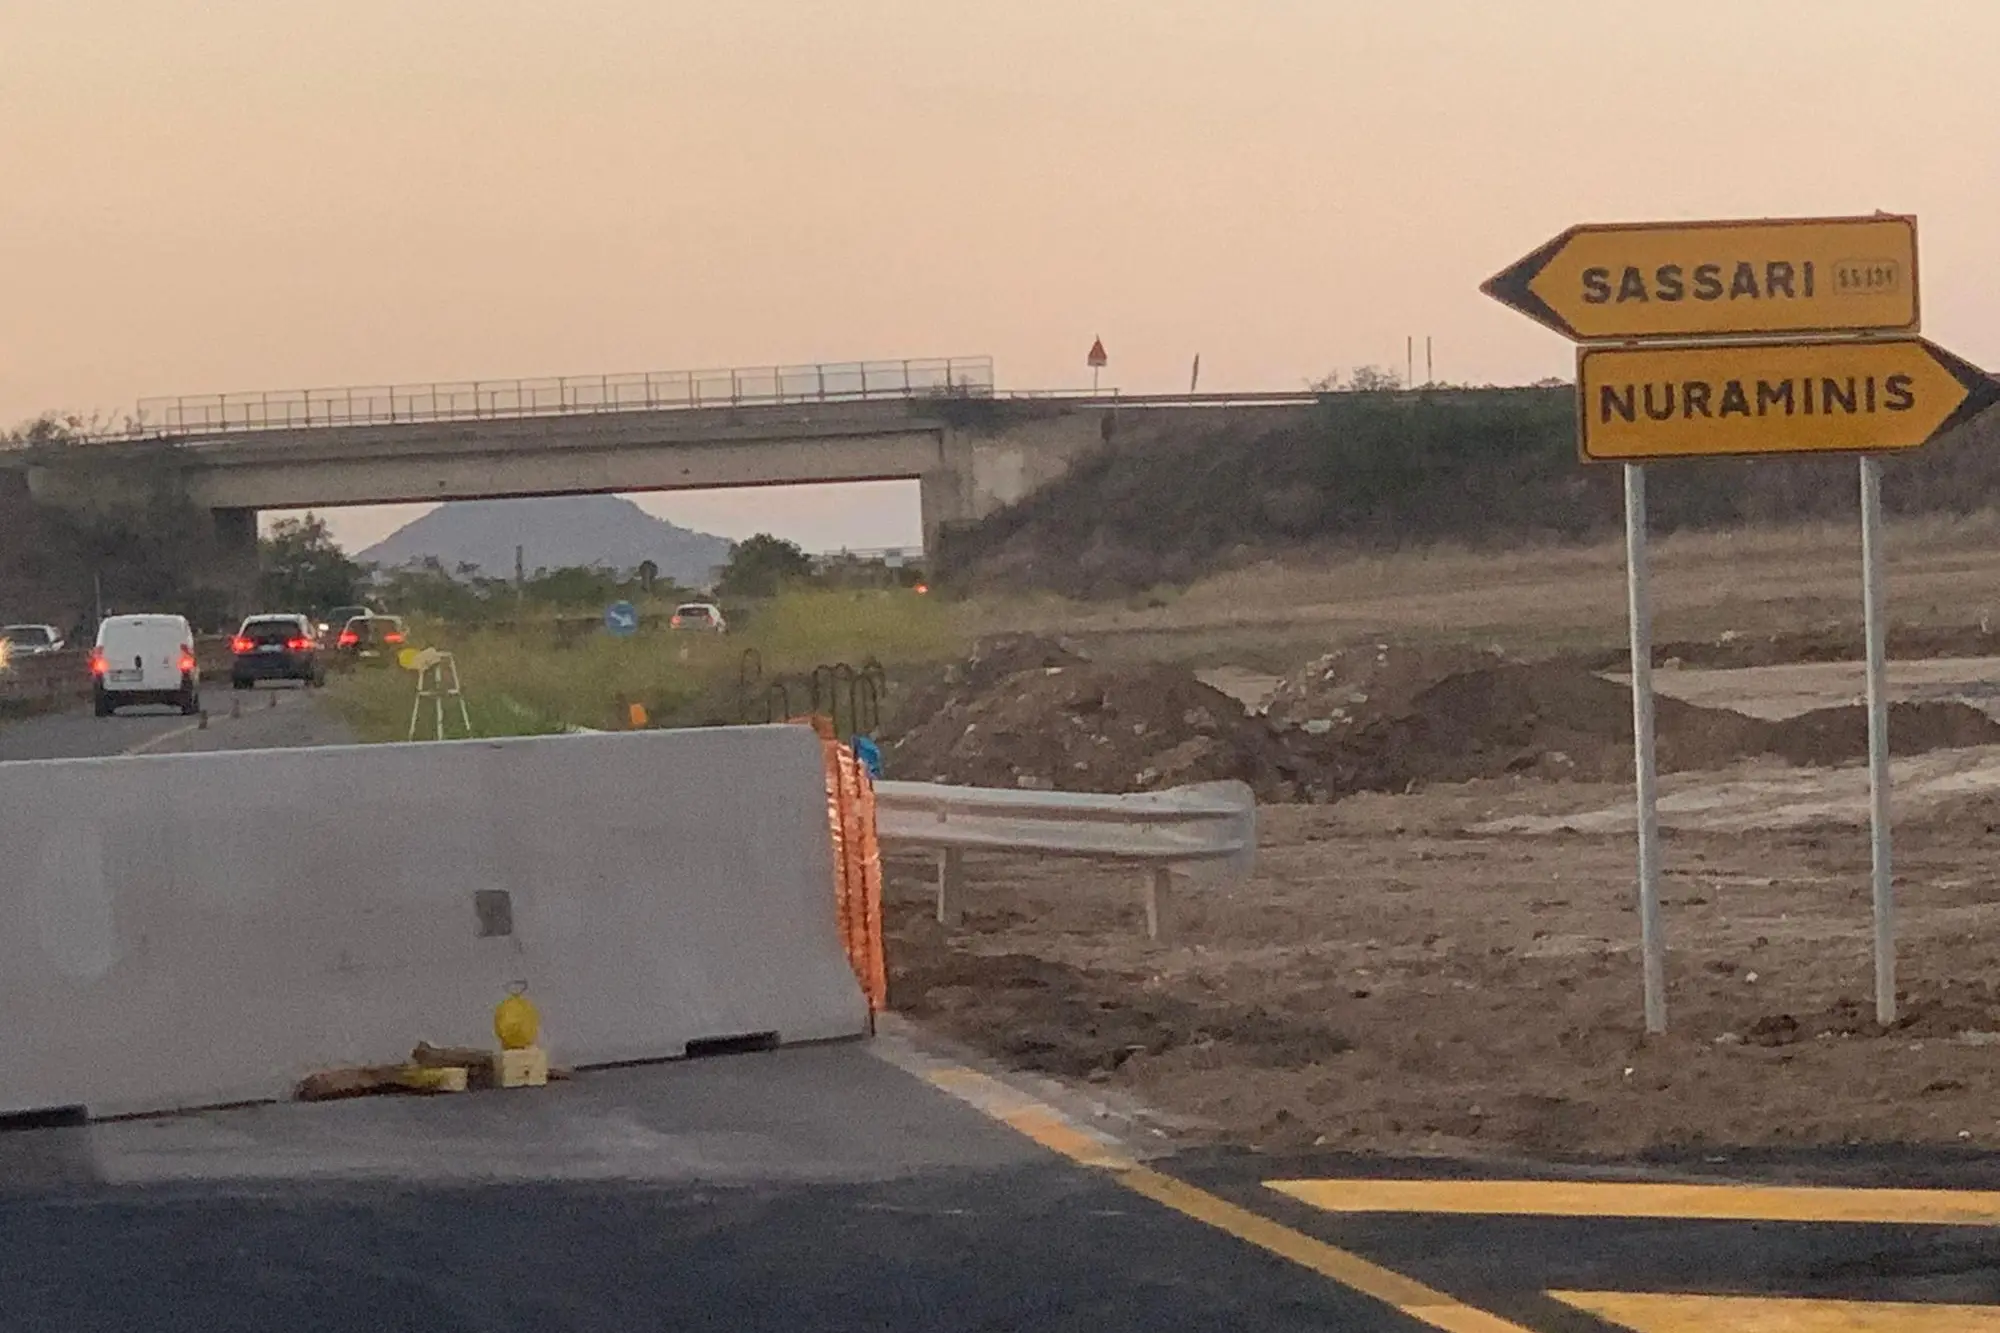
(371, 638)
(275, 647)
(336, 620)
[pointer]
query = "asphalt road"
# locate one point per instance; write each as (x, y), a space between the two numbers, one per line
(830, 1188)
(884, 1186)
(269, 716)
(807, 1189)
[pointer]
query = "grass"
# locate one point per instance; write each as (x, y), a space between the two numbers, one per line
(524, 682)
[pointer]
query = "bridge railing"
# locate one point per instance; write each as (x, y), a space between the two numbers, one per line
(482, 399)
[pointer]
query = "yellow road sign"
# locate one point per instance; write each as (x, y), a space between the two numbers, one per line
(1640, 403)
(1615, 283)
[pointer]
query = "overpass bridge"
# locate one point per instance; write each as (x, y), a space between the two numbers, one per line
(940, 422)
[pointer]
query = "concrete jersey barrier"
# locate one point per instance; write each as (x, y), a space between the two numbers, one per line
(188, 930)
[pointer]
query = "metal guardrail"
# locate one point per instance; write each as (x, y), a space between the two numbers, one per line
(52, 681)
(1207, 829)
(45, 682)
(479, 400)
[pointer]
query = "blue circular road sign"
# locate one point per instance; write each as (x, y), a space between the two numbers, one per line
(621, 618)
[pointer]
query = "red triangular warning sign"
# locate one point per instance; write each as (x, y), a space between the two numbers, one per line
(1097, 358)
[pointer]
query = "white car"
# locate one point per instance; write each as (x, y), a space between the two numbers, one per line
(146, 659)
(699, 616)
(32, 640)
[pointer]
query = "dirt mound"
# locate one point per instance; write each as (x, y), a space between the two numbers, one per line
(1075, 725)
(1839, 735)
(991, 661)
(1557, 720)
(1834, 641)
(1036, 713)
(1334, 693)
(1552, 720)
(1939, 1011)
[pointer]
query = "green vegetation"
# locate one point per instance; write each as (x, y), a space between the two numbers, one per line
(304, 569)
(139, 541)
(762, 565)
(1364, 471)
(524, 680)
(466, 596)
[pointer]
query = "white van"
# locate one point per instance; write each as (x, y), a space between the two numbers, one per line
(145, 660)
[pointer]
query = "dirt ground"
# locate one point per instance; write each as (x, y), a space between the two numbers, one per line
(1388, 980)
(1455, 968)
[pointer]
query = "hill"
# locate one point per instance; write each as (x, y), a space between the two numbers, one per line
(1379, 471)
(554, 532)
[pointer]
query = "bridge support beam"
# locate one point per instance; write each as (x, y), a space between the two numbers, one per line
(941, 502)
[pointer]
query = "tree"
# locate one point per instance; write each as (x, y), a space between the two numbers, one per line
(761, 565)
(572, 587)
(304, 569)
(1373, 379)
(1365, 379)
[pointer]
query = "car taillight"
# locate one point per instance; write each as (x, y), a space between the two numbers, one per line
(187, 660)
(392, 637)
(298, 645)
(675, 622)
(348, 638)
(239, 644)
(98, 666)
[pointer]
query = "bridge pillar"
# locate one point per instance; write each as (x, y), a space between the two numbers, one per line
(941, 502)
(236, 550)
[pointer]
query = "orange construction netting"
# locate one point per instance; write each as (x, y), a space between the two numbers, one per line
(857, 854)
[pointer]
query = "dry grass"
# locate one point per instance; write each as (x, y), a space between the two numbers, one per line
(1533, 599)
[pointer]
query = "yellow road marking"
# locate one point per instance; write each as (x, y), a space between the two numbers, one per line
(1572, 1198)
(1647, 1312)
(1052, 1130)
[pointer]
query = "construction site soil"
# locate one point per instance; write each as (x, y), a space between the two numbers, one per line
(1032, 712)
(1426, 957)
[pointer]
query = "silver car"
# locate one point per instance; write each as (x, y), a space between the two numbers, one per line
(32, 640)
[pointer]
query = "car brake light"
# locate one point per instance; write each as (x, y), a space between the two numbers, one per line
(392, 637)
(348, 638)
(298, 645)
(239, 644)
(187, 660)
(675, 622)
(98, 666)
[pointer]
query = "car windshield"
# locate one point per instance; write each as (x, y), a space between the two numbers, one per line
(27, 636)
(692, 613)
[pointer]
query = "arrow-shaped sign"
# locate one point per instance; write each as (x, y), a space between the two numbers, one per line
(1641, 403)
(1705, 279)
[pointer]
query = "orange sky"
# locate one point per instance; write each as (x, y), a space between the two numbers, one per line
(249, 194)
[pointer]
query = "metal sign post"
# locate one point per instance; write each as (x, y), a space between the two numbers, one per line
(1638, 595)
(1878, 739)
(1776, 336)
